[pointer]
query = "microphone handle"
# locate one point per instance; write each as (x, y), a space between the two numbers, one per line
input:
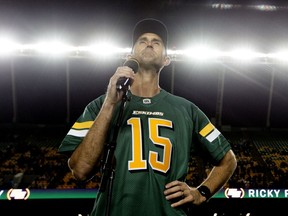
(123, 82)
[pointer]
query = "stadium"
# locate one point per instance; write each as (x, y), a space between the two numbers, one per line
(229, 59)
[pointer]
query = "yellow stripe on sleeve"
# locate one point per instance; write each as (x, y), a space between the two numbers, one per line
(83, 125)
(207, 129)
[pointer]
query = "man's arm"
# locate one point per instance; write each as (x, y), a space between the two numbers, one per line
(88, 154)
(86, 157)
(216, 179)
(221, 173)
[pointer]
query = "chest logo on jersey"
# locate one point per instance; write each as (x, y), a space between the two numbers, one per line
(148, 113)
(146, 101)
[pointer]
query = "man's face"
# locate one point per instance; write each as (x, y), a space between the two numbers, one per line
(150, 50)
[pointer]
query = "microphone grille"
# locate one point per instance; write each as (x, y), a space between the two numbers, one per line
(132, 63)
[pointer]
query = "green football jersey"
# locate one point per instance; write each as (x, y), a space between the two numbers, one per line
(156, 138)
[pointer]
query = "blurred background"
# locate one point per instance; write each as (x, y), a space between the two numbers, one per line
(228, 57)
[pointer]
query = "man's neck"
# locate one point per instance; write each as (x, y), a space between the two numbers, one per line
(145, 85)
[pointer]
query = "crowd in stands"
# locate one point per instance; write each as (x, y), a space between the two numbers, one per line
(255, 170)
(30, 160)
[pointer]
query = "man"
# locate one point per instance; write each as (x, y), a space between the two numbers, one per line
(156, 137)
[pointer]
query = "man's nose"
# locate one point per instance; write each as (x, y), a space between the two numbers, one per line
(149, 44)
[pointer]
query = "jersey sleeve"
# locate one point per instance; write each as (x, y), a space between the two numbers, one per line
(211, 141)
(81, 127)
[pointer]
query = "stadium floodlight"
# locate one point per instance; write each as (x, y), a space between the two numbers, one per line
(281, 56)
(104, 50)
(263, 7)
(54, 48)
(7, 46)
(245, 55)
(203, 53)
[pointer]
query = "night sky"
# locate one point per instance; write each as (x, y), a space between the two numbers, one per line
(40, 83)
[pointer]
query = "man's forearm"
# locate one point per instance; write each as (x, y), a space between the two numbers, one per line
(87, 155)
(221, 173)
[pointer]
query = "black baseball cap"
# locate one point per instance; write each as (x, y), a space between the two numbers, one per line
(151, 25)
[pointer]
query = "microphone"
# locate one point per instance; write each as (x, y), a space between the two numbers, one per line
(123, 82)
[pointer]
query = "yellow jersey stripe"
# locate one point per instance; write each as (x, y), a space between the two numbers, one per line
(83, 125)
(207, 129)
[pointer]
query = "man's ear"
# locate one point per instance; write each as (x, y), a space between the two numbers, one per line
(167, 61)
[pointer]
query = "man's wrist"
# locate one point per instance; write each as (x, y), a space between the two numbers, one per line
(204, 191)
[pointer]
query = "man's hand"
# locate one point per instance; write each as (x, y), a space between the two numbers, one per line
(179, 193)
(113, 96)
